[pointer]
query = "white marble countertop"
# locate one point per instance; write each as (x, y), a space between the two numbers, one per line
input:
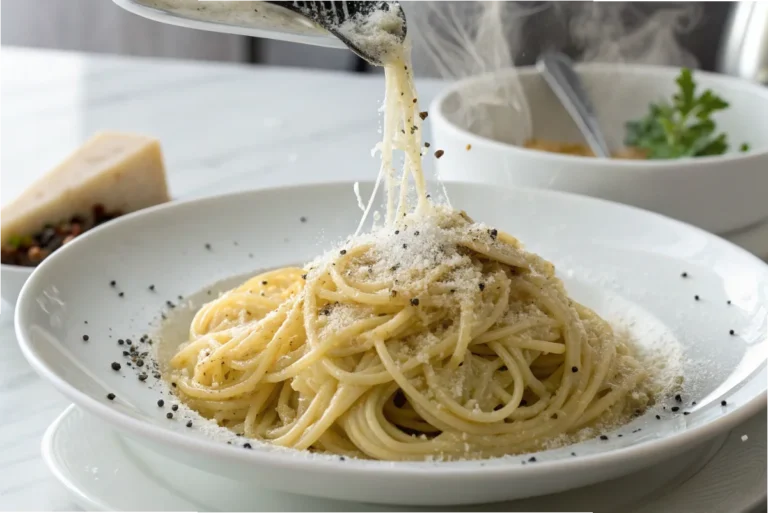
(222, 127)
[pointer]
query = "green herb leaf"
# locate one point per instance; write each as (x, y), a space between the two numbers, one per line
(683, 128)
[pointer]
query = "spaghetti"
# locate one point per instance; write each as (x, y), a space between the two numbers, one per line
(430, 337)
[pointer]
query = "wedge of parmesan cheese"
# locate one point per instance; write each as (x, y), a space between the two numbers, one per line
(122, 172)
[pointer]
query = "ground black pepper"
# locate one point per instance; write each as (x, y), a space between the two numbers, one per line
(140, 363)
(494, 233)
(603, 437)
(415, 301)
(574, 369)
(111, 396)
(115, 366)
(723, 402)
(175, 407)
(684, 275)
(207, 246)
(532, 459)
(303, 219)
(121, 294)
(439, 153)
(189, 423)
(246, 445)
(679, 398)
(573, 454)
(160, 403)
(729, 301)
(142, 377)
(120, 341)
(169, 415)
(732, 332)
(152, 288)
(86, 337)
(658, 417)
(675, 408)
(423, 115)
(686, 413)
(482, 286)
(112, 283)
(696, 297)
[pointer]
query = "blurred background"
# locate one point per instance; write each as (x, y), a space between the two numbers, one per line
(676, 33)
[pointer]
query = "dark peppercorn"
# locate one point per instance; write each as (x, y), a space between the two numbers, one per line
(86, 337)
(416, 232)
(723, 402)
(126, 353)
(427, 145)
(303, 219)
(120, 341)
(439, 153)
(115, 366)
(189, 423)
(160, 403)
(415, 301)
(494, 233)
(696, 297)
(175, 407)
(675, 408)
(729, 301)
(573, 454)
(482, 286)
(303, 276)
(693, 403)
(152, 288)
(112, 283)
(679, 398)
(111, 396)
(207, 246)
(139, 363)
(532, 459)
(142, 377)
(574, 369)
(405, 246)
(658, 417)
(246, 445)
(121, 294)
(603, 437)
(732, 332)
(169, 415)
(342, 458)
(684, 275)
(686, 413)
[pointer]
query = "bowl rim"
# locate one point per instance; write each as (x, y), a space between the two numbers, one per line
(298, 460)
(437, 111)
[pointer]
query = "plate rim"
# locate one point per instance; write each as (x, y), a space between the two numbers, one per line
(295, 460)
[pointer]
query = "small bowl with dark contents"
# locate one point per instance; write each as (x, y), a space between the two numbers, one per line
(22, 253)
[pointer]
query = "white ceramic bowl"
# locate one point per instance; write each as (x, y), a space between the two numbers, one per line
(719, 194)
(628, 276)
(13, 279)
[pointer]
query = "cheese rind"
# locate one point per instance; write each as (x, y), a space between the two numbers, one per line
(123, 172)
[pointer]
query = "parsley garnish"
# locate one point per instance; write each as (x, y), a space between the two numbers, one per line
(683, 128)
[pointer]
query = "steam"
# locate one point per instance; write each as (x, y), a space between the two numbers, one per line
(460, 39)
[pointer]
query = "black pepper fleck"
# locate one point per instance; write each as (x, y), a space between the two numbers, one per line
(175, 407)
(246, 445)
(121, 294)
(415, 301)
(574, 369)
(696, 297)
(160, 403)
(603, 437)
(679, 398)
(723, 402)
(482, 286)
(86, 337)
(115, 366)
(207, 246)
(140, 363)
(142, 377)
(532, 459)
(729, 301)
(303, 219)
(686, 413)
(113, 283)
(169, 415)
(343, 252)
(111, 396)
(684, 275)
(675, 408)
(189, 423)
(732, 332)
(658, 417)
(152, 288)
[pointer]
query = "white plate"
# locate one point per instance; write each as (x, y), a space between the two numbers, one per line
(622, 261)
(103, 471)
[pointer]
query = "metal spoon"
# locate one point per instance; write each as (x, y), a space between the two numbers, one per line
(315, 22)
(559, 74)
